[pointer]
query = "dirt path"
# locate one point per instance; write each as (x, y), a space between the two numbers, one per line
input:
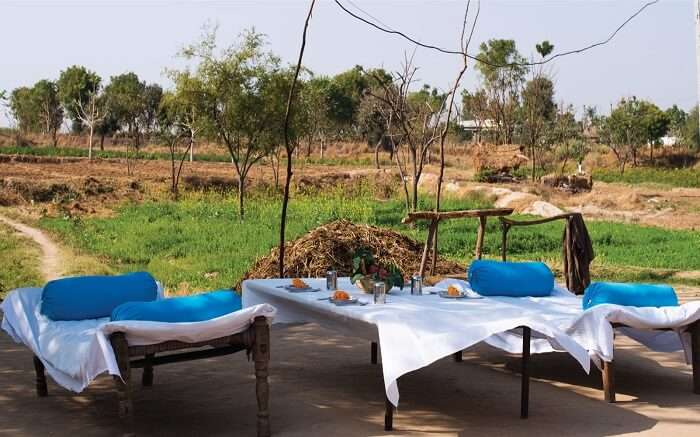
(50, 267)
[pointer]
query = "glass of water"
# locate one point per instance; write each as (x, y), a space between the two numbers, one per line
(379, 293)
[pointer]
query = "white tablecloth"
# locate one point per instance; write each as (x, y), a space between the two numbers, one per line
(413, 331)
(75, 352)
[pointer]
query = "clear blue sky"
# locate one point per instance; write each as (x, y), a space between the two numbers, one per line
(653, 57)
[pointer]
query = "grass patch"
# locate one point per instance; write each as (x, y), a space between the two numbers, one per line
(20, 261)
(74, 152)
(681, 177)
(199, 243)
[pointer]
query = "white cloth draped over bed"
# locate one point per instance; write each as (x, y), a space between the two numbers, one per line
(75, 352)
(593, 328)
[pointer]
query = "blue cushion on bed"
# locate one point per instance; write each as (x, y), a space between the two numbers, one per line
(94, 297)
(514, 279)
(634, 295)
(197, 308)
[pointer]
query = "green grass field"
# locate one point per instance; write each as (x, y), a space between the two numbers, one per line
(199, 243)
(20, 261)
(681, 177)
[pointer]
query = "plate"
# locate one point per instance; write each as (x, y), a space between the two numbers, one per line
(351, 301)
(462, 295)
(292, 289)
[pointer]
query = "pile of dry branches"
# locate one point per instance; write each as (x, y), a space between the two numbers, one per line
(333, 245)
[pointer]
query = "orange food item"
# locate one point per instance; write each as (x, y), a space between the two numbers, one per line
(298, 283)
(341, 295)
(453, 291)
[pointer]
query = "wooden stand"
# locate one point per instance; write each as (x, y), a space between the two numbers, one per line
(435, 217)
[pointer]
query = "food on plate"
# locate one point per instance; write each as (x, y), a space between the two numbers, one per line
(341, 295)
(453, 291)
(298, 283)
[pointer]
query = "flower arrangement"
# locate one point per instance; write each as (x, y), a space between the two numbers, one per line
(366, 271)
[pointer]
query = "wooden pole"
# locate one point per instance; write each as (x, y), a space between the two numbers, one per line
(609, 381)
(428, 243)
(525, 387)
(480, 236)
(695, 355)
(388, 415)
(41, 387)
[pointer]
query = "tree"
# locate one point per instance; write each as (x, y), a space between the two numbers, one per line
(677, 119)
(538, 112)
(124, 97)
(691, 133)
(413, 116)
(76, 86)
(475, 107)
(45, 94)
(90, 114)
(632, 124)
(175, 134)
(151, 98)
(503, 76)
(242, 87)
(315, 102)
(184, 107)
(344, 94)
(24, 110)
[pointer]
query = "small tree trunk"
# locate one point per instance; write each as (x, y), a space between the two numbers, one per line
(90, 143)
(102, 142)
(376, 154)
(241, 194)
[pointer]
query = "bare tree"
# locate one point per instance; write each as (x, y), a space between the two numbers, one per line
(415, 118)
(90, 115)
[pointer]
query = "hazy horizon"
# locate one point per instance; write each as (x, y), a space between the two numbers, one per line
(652, 58)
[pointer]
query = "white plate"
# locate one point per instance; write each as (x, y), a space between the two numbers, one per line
(351, 301)
(293, 289)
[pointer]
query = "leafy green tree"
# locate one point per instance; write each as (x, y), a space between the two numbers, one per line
(124, 99)
(24, 110)
(655, 124)
(76, 86)
(151, 98)
(244, 95)
(538, 112)
(344, 94)
(691, 131)
(677, 119)
(45, 95)
(502, 73)
(184, 107)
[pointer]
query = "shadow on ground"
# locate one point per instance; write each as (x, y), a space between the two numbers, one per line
(323, 384)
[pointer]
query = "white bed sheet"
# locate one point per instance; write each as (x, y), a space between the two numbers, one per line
(593, 329)
(75, 352)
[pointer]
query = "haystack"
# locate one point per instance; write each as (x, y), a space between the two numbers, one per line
(333, 245)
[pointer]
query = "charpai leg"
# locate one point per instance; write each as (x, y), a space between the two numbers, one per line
(457, 356)
(695, 355)
(261, 357)
(609, 381)
(525, 387)
(388, 416)
(147, 377)
(41, 387)
(374, 353)
(123, 384)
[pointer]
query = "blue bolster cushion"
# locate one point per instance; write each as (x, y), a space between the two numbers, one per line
(197, 308)
(514, 279)
(634, 295)
(94, 297)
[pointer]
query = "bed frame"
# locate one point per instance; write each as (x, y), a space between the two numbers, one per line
(255, 340)
(608, 368)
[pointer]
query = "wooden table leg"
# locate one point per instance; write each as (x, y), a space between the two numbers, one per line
(695, 355)
(609, 381)
(374, 353)
(525, 387)
(388, 416)
(261, 357)
(41, 387)
(457, 357)
(480, 237)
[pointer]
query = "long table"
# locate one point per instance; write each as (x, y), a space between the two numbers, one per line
(412, 331)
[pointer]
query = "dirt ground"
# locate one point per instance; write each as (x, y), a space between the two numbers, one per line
(323, 384)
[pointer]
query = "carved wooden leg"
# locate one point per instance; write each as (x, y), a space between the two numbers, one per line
(41, 387)
(695, 355)
(374, 353)
(525, 387)
(261, 357)
(388, 416)
(609, 381)
(123, 384)
(480, 237)
(147, 377)
(457, 357)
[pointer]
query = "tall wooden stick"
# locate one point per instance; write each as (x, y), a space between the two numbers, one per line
(287, 144)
